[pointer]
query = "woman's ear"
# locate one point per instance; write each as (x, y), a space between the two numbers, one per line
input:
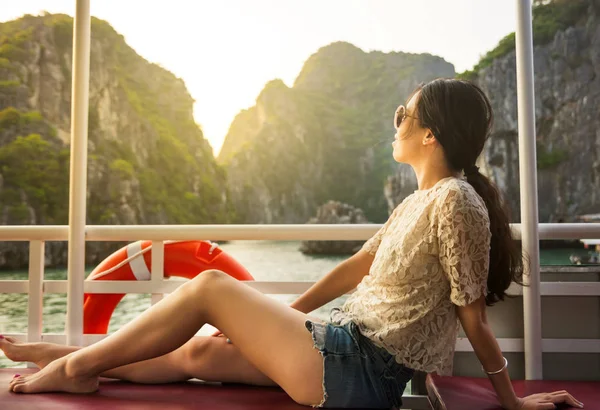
(429, 138)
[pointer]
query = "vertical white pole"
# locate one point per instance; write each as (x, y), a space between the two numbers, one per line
(35, 292)
(529, 200)
(158, 268)
(78, 178)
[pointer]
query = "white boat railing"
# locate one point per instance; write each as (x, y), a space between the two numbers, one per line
(36, 286)
(284, 232)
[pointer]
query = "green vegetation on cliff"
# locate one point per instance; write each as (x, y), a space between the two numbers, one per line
(32, 166)
(151, 157)
(11, 117)
(326, 138)
(549, 158)
(549, 17)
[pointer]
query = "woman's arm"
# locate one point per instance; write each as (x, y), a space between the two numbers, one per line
(474, 322)
(343, 278)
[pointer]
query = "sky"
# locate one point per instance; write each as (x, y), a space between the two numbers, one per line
(227, 50)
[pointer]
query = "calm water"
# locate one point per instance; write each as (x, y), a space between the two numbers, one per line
(269, 261)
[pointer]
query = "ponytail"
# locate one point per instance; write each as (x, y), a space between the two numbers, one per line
(506, 261)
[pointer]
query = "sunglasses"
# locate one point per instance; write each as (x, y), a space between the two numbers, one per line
(401, 116)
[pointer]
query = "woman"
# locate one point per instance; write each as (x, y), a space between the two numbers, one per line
(444, 253)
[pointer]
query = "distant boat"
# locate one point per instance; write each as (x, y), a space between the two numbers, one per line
(589, 218)
(592, 258)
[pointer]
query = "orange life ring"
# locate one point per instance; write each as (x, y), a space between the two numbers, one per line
(184, 259)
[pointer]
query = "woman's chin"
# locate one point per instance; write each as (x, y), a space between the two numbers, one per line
(397, 155)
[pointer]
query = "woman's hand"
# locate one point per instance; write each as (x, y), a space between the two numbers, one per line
(543, 401)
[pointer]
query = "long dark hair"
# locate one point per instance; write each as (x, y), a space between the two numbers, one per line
(459, 115)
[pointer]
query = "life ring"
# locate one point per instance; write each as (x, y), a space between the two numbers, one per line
(185, 259)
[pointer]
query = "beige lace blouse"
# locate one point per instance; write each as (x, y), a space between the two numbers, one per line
(431, 254)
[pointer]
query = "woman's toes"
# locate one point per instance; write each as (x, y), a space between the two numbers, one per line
(16, 379)
(19, 381)
(20, 388)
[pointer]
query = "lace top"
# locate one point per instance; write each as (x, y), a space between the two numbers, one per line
(431, 254)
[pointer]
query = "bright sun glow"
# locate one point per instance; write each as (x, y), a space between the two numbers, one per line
(227, 50)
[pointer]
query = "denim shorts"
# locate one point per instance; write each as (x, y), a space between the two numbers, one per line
(357, 373)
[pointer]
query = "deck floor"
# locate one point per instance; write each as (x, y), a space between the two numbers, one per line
(469, 393)
(121, 395)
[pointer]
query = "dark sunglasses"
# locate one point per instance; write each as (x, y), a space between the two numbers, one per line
(400, 116)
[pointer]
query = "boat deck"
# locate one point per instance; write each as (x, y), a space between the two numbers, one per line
(127, 396)
(445, 393)
(470, 393)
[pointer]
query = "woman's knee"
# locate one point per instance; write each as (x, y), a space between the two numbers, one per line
(203, 355)
(205, 280)
(196, 348)
(213, 359)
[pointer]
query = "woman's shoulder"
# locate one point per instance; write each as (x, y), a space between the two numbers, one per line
(456, 194)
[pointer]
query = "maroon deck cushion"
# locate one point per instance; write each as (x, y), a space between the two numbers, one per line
(128, 396)
(461, 393)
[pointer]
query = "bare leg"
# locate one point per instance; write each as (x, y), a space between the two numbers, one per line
(205, 358)
(38, 353)
(269, 334)
(163, 369)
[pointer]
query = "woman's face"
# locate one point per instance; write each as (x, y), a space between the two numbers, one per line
(408, 140)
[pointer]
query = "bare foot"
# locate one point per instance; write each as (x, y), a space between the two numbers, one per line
(39, 353)
(54, 377)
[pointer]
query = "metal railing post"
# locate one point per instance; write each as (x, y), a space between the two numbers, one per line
(529, 199)
(78, 172)
(157, 273)
(35, 292)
